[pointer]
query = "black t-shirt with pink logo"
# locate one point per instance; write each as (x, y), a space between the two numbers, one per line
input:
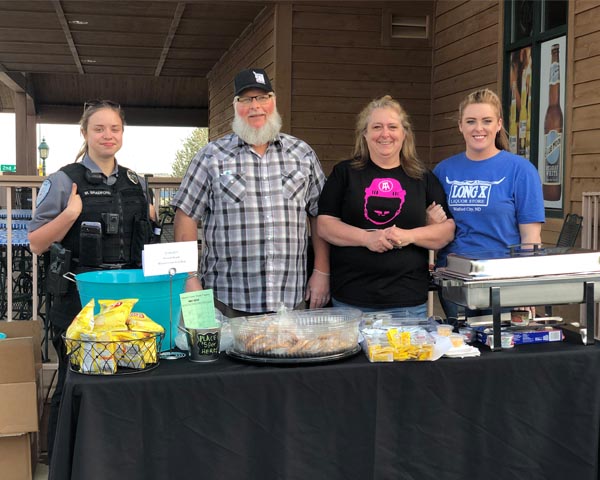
(377, 198)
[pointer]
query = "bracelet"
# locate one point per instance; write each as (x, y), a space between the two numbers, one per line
(192, 275)
(322, 273)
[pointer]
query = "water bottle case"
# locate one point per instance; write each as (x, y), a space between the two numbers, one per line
(90, 244)
(60, 263)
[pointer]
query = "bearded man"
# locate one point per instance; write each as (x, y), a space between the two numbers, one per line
(254, 192)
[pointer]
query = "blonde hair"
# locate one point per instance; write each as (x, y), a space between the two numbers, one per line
(91, 107)
(487, 96)
(410, 162)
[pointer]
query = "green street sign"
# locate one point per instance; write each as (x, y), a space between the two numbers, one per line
(8, 168)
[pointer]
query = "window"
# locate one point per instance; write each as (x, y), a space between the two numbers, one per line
(534, 86)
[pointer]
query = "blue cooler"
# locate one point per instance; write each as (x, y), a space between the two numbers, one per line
(158, 296)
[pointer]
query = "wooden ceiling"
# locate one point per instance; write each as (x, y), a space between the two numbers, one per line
(150, 56)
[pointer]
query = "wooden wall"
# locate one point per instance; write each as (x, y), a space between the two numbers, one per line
(339, 64)
(254, 48)
(328, 60)
(583, 102)
(467, 55)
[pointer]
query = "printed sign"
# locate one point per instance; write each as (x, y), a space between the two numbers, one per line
(162, 258)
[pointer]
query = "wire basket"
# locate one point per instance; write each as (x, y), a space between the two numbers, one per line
(114, 357)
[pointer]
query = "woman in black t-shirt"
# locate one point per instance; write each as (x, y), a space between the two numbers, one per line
(373, 211)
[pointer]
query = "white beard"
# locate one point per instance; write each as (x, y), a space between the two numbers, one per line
(257, 136)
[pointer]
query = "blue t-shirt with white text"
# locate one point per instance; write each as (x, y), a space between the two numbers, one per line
(488, 200)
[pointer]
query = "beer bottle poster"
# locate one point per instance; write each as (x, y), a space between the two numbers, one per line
(551, 140)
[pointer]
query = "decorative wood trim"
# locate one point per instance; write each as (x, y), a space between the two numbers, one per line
(282, 27)
(568, 127)
(500, 64)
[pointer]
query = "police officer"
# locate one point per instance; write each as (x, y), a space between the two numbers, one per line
(93, 212)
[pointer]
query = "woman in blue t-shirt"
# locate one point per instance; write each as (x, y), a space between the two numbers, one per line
(494, 196)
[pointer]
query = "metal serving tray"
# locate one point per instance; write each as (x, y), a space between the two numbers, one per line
(524, 263)
(514, 292)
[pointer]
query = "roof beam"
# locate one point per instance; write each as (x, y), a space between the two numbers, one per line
(172, 30)
(67, 31)
(138, 116)
(17, 82)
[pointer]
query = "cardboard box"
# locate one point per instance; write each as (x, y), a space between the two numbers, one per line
(39, 381)
(538, 336)
(25, 328)
(15, 457)
(20, 364)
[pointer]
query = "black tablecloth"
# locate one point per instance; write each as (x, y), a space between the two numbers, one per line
(528, 413)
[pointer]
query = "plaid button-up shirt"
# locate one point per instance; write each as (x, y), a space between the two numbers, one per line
(253, 211)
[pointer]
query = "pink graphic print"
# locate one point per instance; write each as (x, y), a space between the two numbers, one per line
(383, 200)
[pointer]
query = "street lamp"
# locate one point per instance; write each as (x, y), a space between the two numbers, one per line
(43, 148)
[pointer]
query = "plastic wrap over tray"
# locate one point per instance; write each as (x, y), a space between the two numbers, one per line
(298, 333)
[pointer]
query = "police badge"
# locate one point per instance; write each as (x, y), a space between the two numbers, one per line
(133, 177)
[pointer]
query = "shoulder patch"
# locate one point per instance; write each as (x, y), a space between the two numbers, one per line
(133, 177)
(43, 192)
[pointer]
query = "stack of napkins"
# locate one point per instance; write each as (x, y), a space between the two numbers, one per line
(463, 352)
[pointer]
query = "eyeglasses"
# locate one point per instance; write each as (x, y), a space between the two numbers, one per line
(261, 99)
(100, 103)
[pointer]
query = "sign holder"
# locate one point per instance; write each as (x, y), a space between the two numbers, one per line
(171, 354)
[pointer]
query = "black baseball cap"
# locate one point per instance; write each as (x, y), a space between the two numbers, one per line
(251, 78)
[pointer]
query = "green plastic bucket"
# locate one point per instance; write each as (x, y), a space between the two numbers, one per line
(158, 296)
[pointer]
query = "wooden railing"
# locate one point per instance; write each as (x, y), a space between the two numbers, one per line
(19, 192)
(590, 238)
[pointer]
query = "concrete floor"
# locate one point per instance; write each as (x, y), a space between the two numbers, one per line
(41, 472)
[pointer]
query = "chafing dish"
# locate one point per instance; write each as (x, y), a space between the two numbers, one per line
(523, 277)
(521, 263)
(516, 292)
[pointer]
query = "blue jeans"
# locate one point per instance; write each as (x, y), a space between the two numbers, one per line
(418, 311)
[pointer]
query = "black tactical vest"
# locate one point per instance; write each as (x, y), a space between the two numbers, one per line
(122, 204)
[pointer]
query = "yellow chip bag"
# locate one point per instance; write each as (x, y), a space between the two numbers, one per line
(136, 350)
(82, 323)
(139, 321)
(113, 314)
(97, 353)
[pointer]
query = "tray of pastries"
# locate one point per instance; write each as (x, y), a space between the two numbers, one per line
(303, 335)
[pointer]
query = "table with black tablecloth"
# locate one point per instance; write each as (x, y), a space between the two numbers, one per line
(532, 412)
